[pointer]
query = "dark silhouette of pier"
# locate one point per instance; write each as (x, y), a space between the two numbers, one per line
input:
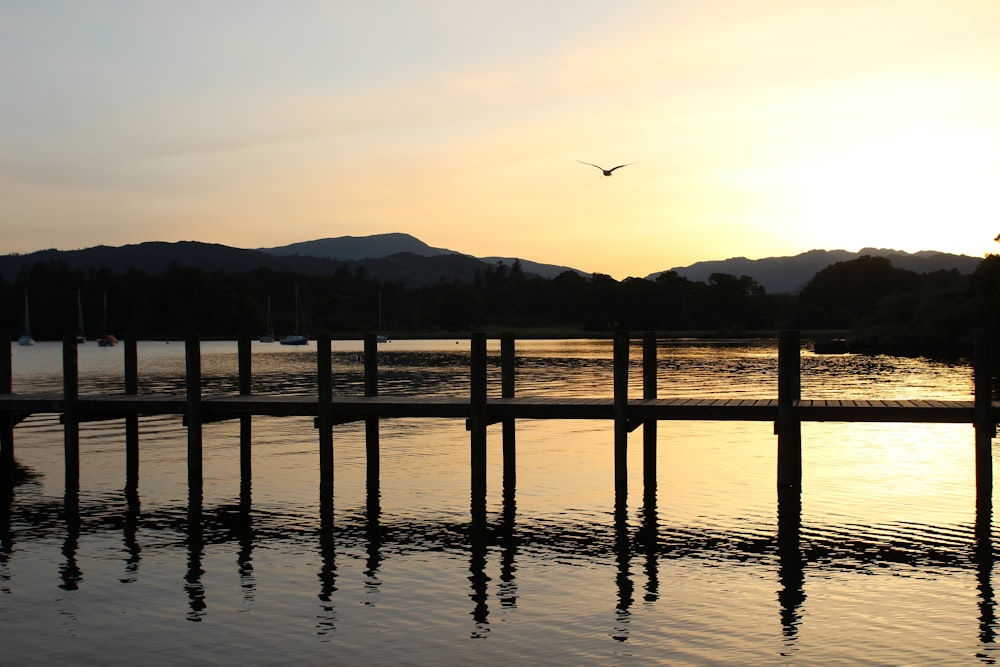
(787, 410)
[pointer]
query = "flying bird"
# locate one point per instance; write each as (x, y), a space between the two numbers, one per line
(606, 172)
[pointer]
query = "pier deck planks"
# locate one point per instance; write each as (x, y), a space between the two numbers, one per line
(346, 408)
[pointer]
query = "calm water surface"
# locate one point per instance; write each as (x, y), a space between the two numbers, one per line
(883, 567)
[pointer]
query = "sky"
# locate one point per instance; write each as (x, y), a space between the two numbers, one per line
(751, 128)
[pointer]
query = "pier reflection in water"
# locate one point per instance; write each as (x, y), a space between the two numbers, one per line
(709, 564)
(638, 552)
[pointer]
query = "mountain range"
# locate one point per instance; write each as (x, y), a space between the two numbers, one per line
(399, 257)
(787, 275)
(388, 257)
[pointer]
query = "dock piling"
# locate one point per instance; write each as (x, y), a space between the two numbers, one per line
(131, 420)
(620, 364)
(324, 419)
(372, 453)
(192, 363)
(649, 381)
(6, 423)
(985, 425)
(244, 361)
(788, 427)
(478, 416)
(71, 414)
(508, 365)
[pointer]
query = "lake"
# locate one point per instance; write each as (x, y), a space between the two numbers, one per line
(885, 564)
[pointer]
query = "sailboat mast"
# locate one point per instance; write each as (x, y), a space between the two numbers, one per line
(80, 332)
(26, 338)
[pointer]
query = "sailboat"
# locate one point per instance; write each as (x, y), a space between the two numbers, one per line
(380, 337)
(269, 336)
(296, 338)
(25, 338)
(107, 340)
(81, 337)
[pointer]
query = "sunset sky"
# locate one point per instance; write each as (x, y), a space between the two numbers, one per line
(757, 128)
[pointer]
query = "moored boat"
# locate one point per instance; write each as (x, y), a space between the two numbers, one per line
(106, 340)
(832, 346)
(269, 336)
(295, 338)
(25, 338)
(81, 336)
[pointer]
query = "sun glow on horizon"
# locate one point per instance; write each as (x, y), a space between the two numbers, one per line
(905, 189)
(756, 130)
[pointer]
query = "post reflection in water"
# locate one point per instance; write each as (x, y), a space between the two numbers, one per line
(507, 590)
(791, 573)
(373, 536)
(984, 578)
(70, 572)
(245, 531)
(6, 535)
(326, 620)
(130, 531)
(648, 538)
(477, 563)
(642, 538)
(623, 557)
(196, 548)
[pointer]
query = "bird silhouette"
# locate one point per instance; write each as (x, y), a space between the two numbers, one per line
(606, 172)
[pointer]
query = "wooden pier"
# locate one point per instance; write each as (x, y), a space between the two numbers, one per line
(787, 410)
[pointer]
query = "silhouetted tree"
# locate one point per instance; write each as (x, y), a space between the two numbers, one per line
(849, 290)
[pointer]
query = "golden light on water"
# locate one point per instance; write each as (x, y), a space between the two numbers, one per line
(890, 473)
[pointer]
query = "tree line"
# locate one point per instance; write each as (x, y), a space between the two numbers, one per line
(884, 305)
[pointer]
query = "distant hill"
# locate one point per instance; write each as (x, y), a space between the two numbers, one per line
(787, 275)
(151, 256)
(403, 258)
(386, 261)
(360, 247)
(543, 270)
(385, 245)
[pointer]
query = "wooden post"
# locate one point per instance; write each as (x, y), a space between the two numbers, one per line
(649, 380)
(71, 414)
(477, 421)
(620, 364)
(192, 357)
(508, 365)
(131, 420)
(372, 453)
(6, 421)
(985, 426)
(244, 362)
(788, 428)
(789, 431)
(324, 421)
